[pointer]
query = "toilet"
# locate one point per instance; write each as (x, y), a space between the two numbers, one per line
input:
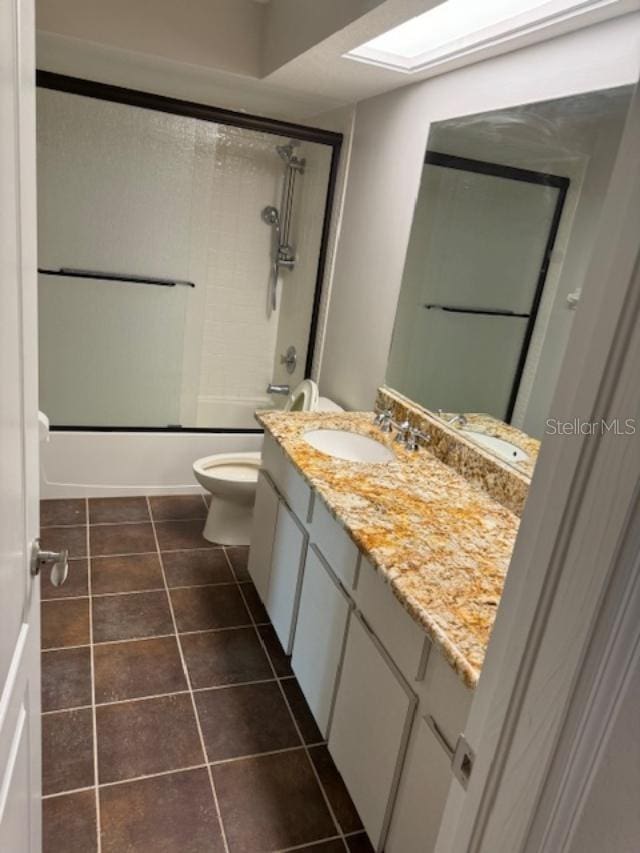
(231, 478)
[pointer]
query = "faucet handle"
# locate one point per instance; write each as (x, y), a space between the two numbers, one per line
(385, 421)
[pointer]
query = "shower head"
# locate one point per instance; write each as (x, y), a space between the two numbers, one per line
(286, 152)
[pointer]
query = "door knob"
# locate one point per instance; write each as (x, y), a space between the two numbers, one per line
(57, 560)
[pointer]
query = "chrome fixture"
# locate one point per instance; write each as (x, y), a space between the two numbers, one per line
(290, 359)
(403, 432)
(412, 441)
(278, 389)
(384, 421)
(459, 420)
(282, 253)
(406, 434)
(58, 561)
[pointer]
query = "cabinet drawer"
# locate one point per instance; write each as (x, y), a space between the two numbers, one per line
(289, 483)
(370, 726)
(404, 640)
(334, 544)
(262, 532)
(319, 637)
(287, 557)
(422, 794)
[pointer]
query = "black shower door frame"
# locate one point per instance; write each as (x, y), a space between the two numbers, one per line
(497, 170)
(218, 115)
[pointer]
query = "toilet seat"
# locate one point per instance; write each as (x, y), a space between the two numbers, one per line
(232, 478)
(230, 467)
(303, 398)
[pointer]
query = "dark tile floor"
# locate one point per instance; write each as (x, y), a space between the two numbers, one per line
(171, 717)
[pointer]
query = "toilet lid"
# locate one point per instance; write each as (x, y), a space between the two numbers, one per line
(303, 398)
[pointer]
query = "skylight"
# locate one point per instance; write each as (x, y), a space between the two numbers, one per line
(456, 27)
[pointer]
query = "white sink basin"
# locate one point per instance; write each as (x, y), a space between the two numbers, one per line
(501, 448)
(351, 446)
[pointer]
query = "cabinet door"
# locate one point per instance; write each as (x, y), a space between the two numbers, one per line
(422, 794)
(265, 514)
(371, 719)
(319, 637)
(287, 557)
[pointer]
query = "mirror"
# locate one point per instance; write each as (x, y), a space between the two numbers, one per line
(504, 222)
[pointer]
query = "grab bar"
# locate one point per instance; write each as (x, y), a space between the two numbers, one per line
(491, 312)
(71, 272)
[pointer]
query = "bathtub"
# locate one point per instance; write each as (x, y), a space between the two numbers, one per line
(117, 464)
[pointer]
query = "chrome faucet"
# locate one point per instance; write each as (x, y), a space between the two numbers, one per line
(403, 432)
(406, 434)
(460, 419)
(277, 389)
(412, 440)
(384, 420)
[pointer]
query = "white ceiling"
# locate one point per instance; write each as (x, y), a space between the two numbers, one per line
(283, 58)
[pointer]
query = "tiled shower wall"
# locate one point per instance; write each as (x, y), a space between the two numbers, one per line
(127, 189)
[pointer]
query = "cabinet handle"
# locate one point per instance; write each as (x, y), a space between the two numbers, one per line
(462, 756)
(444, 743)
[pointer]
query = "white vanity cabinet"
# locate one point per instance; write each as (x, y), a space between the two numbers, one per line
(276, 557)
(422, 793)
(321, 628)
(377, 688)
(265, 515)
(371, 720)
(427, 776)
(287, 559)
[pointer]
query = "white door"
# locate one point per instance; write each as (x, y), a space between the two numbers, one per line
(319, 638)
(20, 824)
(370, 727)
(287, 560)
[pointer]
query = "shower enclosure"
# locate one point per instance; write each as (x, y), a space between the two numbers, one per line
(181, 254)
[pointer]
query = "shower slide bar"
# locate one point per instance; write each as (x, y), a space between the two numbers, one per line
(283, 255)
(71, 272)
(489, 312)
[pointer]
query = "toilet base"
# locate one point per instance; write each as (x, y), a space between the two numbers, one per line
(228, 522)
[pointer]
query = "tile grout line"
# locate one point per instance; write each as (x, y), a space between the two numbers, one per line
(291, 714)
(123, 521)
(188, 680)
(143, 698)
(93, 687)
(141, 591)
(159, 637)
(129, 779)
(303, 847)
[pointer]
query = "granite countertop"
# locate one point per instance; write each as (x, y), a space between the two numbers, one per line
(442, 544)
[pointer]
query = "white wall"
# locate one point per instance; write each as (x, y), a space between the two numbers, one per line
(566, 274)
(294, 26)
(386, 163)
(224, 34)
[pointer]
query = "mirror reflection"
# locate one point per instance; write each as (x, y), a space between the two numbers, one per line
(504, 220)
